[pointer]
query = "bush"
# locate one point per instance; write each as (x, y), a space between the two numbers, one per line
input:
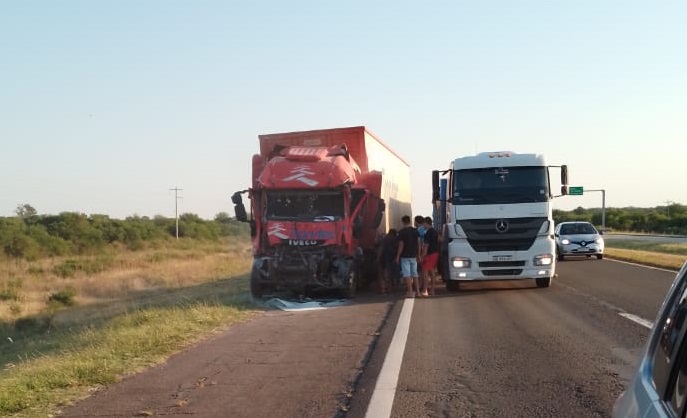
(67, 268)
(35, 270)
(11, 290)
(63, 297)
(35, 236)
(9, 294)
(22, 246)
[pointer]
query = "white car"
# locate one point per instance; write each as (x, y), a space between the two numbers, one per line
(659, 385)
(578, 239)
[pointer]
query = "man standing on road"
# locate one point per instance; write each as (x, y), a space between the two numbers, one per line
(408, 243)
(429, 253)
(419, 224)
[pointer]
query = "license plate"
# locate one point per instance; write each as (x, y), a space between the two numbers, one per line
(502, 258)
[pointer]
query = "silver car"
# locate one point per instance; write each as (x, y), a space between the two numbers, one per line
(659, 385)
(578, 239)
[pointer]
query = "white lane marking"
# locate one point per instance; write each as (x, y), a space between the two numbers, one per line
(385, 389)
(634, 318)
(640, 265)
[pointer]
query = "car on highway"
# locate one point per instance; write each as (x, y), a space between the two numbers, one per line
(658, 387)
(578, 239)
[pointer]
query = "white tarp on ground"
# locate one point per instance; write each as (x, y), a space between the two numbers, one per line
(305, 305)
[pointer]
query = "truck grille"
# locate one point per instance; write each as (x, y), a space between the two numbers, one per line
(294, 258)
(503, 272)
(485, 264)
(519, 236)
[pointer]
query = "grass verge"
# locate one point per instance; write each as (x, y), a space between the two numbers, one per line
(648, 258)
(669, 256)
(53, 358)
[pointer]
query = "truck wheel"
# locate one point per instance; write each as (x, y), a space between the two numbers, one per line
(561, 257)
(599, 256)
(452, 285)
(543, 281)
(255, 285)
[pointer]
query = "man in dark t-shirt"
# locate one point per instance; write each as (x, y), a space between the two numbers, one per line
(429, 254)
(408, 252)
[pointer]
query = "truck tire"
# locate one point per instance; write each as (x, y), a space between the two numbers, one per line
(452, 285)
(544, 281)
(599, 256)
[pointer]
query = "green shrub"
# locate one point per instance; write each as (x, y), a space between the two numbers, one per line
(35, 270)
(11, 290)
(22, 246)
(9, 294)
(67, 268)
(96, 265)
(63, 297)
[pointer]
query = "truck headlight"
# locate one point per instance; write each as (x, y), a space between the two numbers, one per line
(461, 262)
(543, 260)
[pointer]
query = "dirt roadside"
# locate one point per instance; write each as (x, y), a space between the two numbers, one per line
(279, 364)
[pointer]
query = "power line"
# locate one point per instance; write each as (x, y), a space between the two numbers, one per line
(176, 207)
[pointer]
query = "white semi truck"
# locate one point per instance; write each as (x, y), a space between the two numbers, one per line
(495, 217)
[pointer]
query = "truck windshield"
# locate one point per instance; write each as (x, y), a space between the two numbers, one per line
(500, 185)
(305, 206)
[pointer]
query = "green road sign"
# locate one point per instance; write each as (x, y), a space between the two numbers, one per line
(575, 190)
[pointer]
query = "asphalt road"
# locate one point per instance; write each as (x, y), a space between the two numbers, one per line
(510, 349)
(494, 349)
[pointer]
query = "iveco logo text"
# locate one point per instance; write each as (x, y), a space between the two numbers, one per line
(302, 242)
(501, 226)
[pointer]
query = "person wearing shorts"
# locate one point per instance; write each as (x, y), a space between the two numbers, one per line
(429, 252)
(408, 252)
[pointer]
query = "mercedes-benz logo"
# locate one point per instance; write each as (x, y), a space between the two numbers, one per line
(501, 226)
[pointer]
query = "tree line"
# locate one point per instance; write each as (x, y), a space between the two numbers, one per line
(30, 235)
(669, 219)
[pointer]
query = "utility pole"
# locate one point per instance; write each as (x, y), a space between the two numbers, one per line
(176, 207)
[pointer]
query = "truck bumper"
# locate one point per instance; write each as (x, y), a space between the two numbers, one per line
(536, 262)
(501, 274)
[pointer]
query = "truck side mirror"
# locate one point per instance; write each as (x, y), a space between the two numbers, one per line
(564, 190)
(564, 175)
(435, 185)
(240, 212)
(239, 209)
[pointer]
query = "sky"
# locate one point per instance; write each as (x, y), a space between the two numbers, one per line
(106, 106)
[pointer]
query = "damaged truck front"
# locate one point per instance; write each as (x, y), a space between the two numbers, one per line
(318, 209)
